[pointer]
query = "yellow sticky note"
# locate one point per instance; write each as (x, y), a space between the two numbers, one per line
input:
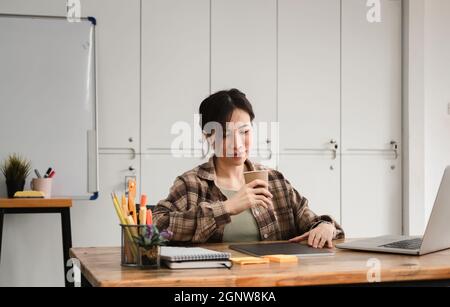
(282, 258)
(249, 260)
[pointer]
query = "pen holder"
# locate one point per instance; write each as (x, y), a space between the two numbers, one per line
(134, 254)
(43, 185)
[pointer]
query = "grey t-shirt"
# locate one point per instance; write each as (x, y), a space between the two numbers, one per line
(243, 226)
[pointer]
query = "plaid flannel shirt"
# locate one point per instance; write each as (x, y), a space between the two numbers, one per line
(194, 209)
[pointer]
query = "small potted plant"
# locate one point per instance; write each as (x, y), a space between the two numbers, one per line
(16, 169)
(149, 243)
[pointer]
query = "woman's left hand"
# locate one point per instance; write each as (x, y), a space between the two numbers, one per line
(319, 236)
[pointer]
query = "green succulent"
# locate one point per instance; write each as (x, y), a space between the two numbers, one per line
(149, 236)
(15, 168)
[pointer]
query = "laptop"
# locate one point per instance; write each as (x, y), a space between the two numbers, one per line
(436, 237)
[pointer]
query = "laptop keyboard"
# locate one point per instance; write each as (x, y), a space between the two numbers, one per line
(405, 244)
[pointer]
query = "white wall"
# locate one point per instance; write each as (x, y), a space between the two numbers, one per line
(437, 96)
(426, 99)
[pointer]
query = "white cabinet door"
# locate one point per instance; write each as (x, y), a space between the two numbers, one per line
(175, 68)
(118, 68)
(309, 100)
(316, 178)
(309, 74)
(371, 119)
(371, 76)
(371, 196)
(159, 173)
(95, 223)
(243, 56)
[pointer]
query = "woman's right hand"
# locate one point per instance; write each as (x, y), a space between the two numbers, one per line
(255, 193)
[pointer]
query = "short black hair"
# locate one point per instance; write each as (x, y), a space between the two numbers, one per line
(219, 107)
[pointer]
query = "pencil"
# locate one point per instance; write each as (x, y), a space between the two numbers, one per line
(131, 199)
(123, 221)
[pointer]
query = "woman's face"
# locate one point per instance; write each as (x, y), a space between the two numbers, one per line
(235, 146)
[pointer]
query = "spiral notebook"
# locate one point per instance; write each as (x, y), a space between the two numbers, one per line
(176, 254)
(194, 258)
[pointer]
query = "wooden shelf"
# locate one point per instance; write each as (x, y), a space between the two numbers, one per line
(35, 202)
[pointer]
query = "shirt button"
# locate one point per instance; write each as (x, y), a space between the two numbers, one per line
(266, 236)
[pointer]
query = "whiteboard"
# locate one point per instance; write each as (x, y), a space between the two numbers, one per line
(48, 101)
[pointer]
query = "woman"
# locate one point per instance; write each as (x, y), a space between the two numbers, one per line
(212, 203)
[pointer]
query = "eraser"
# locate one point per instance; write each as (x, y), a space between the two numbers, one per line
(249, 260)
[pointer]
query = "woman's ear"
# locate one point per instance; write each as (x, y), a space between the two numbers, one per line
(210, 139)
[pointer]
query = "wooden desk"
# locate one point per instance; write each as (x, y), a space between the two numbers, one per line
(41, 205)
(100, 266)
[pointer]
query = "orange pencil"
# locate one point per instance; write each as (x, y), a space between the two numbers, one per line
(124, 206)
(131, 199)
(149, 220)
(143, 200)
(143, 210)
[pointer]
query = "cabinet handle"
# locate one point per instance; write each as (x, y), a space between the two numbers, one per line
(270, 154)
(131, 169)
(268, 149)
(393, 149)
(268, 142)
(394, 145)
(294, 151)
(334, 148)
